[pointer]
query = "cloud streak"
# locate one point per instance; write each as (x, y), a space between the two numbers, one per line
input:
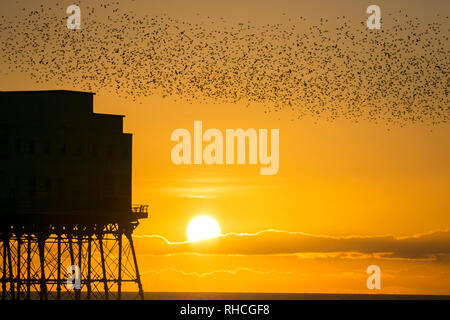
(269, 242)
(204, 274)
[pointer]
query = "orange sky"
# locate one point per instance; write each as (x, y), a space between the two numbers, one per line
(336, 179)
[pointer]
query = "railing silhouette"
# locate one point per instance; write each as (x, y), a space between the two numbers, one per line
(141, 210)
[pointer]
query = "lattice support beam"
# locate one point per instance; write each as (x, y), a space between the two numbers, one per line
(34, 260)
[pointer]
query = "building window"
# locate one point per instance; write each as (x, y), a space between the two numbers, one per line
(12, 197)
(17, 146)
(4, 148)
(124, 184)
(32, 187)
(61, 190)
(79, 150)
(125, 153)
(95, 150)
(76, 199)
(47, 148)
(109, 151)
(32, 147)
(64, 149)
(108, 185)
(3, 130)
(48, 185)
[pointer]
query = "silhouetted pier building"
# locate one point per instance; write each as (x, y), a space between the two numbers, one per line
(65, 193)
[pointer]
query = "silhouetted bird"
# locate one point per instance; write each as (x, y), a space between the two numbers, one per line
(334, 69)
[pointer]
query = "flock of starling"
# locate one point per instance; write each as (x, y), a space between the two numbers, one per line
(332, 68)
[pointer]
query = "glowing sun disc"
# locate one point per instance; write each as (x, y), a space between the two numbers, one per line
(202, 227)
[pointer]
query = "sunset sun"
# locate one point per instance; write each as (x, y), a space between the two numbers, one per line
(202, 227)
